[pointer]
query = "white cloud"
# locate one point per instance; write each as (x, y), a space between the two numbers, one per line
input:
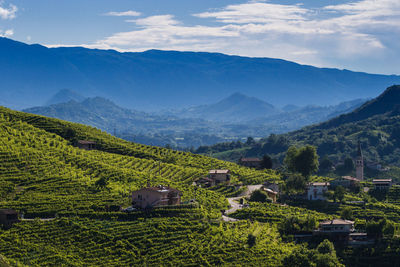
(129, 13)
(7, 33)
(156, 21)
(255, 12)
(316, 36)
(8, 13)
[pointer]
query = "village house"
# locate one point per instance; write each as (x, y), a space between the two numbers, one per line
(382, 184)
(345, 181)
(156, 196)
(250, 162)
(336, 229)
(316, 191)
(272, 186)
(8, 217)
(219, 176)
(87, 145)
(271, 194)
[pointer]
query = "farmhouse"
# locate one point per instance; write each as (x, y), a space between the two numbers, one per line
(156, 196)
(336, 229)
(87, 145)
(315, 191)
(382, 184)
(271, 194)
(219, 176)
(8, 217)
(250, 162)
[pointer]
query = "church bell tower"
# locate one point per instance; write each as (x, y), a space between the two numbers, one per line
(359, 164)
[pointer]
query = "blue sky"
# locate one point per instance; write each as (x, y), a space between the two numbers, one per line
(359, 35)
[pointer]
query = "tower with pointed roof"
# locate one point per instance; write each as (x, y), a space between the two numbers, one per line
(359, 164)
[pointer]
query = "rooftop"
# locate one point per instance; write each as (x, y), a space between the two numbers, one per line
(161, 188)
(218, 171)
(320, 184)
(336, 222)
(378, 181)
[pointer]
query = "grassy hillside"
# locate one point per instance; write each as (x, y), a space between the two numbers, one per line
(43, 175)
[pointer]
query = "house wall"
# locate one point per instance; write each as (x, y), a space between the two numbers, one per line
(149, 198)
(220, 177)
(337, 228)
(316, 192)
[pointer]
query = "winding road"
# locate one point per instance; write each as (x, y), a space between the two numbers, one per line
(235, 205)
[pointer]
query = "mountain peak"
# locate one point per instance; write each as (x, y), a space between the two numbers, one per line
(65, 95)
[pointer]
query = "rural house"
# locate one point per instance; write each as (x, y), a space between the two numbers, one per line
(8, 217)
(316, 191)
(87, 145)
(382, 184)
(219, 176)
(156, 196)
(250, 162)
(336, 229)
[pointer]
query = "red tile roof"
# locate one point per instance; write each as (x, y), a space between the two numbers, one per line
(218, 171)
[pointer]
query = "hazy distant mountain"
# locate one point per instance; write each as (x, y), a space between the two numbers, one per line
(235, 108)
(165, 129)
(155, 80)
(65, 95)
(376, 124)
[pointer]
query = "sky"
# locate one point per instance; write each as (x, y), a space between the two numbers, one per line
(359, 35)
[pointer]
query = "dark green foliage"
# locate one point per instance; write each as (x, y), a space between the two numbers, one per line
(325, 164)
(258, 196)
(251, 240)
(296, 225)
(295, 183)
(347, 213)
(303, 160)
(380, 228)
(266, 162)
(323, 256)
(339, 193)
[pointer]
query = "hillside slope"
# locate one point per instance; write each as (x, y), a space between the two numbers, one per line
(37, 150)
(375, 124)
(155, 80)
(43, 175)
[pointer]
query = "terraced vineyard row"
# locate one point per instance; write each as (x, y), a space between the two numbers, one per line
(172, 241)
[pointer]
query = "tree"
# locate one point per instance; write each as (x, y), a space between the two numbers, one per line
(303, 160)
(326, 164)
(339, 193)
(348, 164)
(266, 162)
(251, 240)
(258, 196)
(347, 213)
(250, 141)
(296, 182)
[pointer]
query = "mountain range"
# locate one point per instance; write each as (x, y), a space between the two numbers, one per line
(156, 80)
(376, 124)
(235, 117)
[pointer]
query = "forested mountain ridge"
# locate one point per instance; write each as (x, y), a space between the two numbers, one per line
(155, 80)
(180, 130)
(375, 124)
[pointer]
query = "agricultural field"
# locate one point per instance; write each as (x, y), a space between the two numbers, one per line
(43, 175)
